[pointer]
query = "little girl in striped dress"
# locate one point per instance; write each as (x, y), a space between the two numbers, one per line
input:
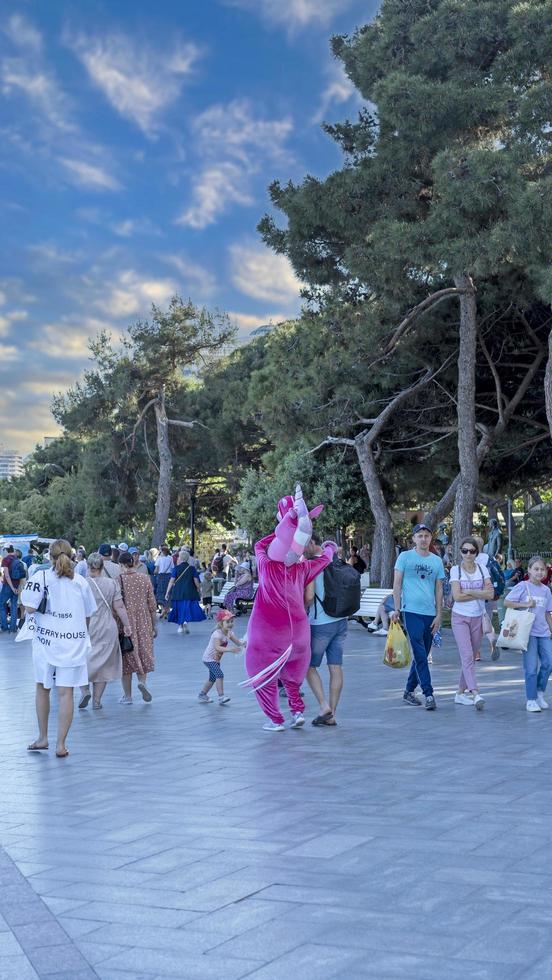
(214, 652)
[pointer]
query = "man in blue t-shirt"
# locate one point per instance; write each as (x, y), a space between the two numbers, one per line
(418, 594)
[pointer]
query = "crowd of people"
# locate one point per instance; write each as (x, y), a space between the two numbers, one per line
(93, 619)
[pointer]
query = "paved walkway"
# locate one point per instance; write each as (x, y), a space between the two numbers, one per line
(179, 840)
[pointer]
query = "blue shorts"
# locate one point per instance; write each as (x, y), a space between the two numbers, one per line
(328, 638)
(215, 670)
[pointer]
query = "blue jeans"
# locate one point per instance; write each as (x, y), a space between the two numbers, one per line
(536, 678)
(328, 638)
(7, 595)
(419, 632)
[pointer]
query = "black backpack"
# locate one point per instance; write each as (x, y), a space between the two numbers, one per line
(341, 589)
(217, 564)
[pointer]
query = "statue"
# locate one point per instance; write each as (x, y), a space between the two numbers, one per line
(494, 542)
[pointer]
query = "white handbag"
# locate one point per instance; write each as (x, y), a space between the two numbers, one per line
(516, 629)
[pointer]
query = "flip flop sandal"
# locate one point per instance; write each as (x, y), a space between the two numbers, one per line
(326, 719)
(62, 755)
(33, 747)
(84, 701)
(145, 693)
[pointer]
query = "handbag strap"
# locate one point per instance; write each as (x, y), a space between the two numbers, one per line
(97, 587)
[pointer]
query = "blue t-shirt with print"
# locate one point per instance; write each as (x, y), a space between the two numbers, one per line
(420, 572)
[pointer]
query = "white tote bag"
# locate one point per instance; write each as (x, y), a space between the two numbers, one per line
(516, 628)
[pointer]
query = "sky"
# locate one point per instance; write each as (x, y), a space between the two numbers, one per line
(138, 142)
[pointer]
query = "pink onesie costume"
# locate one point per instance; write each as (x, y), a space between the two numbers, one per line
(279, 620)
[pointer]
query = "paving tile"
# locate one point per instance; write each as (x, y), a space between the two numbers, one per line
(167, 964)
(16, 968)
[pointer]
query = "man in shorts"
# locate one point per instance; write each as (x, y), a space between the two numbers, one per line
(327, 637)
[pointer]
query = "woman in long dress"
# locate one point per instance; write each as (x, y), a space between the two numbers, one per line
(104, 663)
(184, 590)
(61, 643)
(139, 600)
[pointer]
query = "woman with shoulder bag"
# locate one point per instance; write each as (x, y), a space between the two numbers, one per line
(139, 601)
(184, 590)
(104, 663)
(537, 659)
(471, 586)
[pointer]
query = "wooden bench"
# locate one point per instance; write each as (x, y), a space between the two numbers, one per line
(370, 599)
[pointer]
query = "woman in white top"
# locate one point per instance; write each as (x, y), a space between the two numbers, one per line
(61, 643)
(470, 587)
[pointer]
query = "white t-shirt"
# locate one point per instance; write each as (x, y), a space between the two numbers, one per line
(483, 560)
(60, 633)
(81, 568)
(163, 564)
(473, 580)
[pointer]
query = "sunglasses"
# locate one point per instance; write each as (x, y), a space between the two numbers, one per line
(468, 551)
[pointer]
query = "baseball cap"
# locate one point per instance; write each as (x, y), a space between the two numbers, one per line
(223, 614)
(421, 527)
(104, 550)
(133, 551)
(123, 546)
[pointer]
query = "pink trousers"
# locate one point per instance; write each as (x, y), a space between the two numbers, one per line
(468, 633)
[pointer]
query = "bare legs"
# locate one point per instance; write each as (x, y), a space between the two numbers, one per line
(317, 688)
(219, 684)
(65, 716)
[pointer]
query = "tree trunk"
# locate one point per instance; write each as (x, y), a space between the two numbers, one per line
(466, 494)
(384, 524)
(163, 502)
(548, 384)
(375, 557)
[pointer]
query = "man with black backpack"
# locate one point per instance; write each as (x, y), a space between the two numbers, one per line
(332, 597)
(14, 571)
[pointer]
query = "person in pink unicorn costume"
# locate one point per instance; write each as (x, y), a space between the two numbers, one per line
(278, 636)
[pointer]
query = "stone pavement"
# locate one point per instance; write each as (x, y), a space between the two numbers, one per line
(180, 840)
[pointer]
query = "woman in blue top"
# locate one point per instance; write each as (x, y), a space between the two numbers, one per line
(184, 590)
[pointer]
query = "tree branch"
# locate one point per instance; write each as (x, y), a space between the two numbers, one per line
(187, 425)
(418, 310)
(331, 441)
(495, 374)
(151, 402)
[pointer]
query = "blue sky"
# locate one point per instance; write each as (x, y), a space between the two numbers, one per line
(138, 142)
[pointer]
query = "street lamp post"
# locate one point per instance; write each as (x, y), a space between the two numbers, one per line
(193, 485)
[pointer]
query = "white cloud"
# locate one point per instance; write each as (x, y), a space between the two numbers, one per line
(131, 294)
(138, 81)
(234, 143)
(339, 90)
(22, 33)
(9, 353)
(134, 226)
(261, 274)
(195, 280)
(294, 14)
(91, 175)
(69, 338)
(9, 318)
(246, 322)
(40, 87)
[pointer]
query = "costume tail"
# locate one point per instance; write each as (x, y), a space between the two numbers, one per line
(267, 674)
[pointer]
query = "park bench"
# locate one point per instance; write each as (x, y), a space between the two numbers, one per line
(370, 599)
(243, 604)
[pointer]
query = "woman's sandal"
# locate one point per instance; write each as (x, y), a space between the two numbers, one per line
(327, 719)
(85, 700)
(33, 747)
(62, 755)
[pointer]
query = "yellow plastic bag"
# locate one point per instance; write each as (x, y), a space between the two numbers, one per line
(397, 649)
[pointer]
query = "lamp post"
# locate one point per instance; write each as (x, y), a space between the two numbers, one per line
(193, 485)
(510, 527)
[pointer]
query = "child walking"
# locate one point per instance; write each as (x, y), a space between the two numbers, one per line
(537, 659)
(214, 652)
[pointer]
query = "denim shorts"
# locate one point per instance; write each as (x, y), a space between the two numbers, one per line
(328, 638)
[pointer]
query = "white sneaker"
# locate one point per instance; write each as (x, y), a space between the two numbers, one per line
(180, 629)
(125, 700)
(271, 726)
(372, 627)
(204, 698)
(464, 699)
(381, 632)
(533, 706)
(541, 702)
(479, 702)
(224, 699)
(298, 721)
